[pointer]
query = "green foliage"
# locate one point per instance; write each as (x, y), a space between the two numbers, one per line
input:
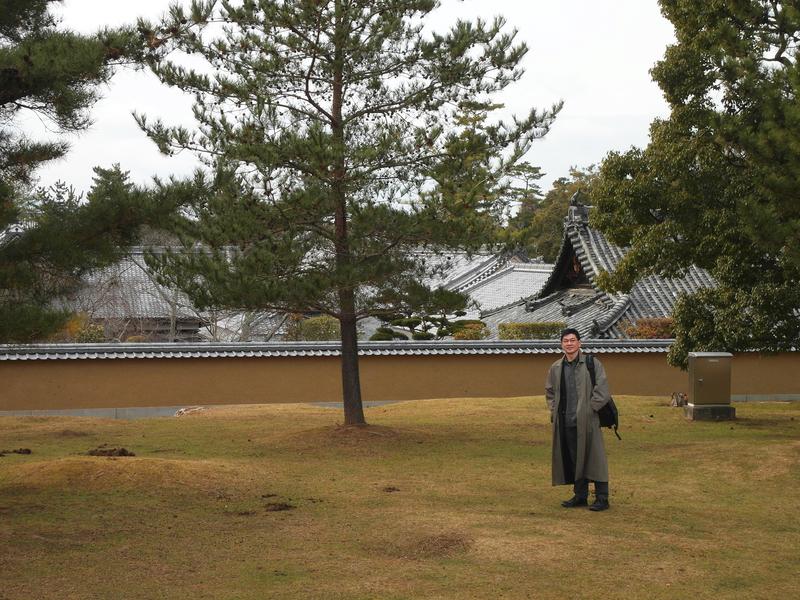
(24, 322)
(523, 190)
(650, 328)
(65, 238)
(427, 314)
(538, 227)
(387, 334)
(422, 336)
(545, 330)
(717, 184)
(340, 137)
(312, 329)
(54, 74)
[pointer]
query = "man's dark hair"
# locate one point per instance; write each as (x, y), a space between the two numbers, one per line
(568, 331)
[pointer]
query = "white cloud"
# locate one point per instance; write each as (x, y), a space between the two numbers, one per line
(593, 54)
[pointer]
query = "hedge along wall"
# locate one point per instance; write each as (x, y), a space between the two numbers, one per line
(154, 382)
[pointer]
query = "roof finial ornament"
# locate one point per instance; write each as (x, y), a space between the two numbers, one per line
(578, 208)
(577, 198)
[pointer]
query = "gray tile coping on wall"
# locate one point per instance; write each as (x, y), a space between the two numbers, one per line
(11, 352)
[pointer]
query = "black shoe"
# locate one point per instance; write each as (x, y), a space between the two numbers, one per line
(600, 504)
(574, 501)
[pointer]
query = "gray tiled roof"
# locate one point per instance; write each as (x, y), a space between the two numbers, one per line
(490, 280)
(279, 349)
(508, 285)
(581, 304)
(126, 290)
(10, 233)
(458, 269)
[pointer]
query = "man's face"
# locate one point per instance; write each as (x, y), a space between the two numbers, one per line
(570, 344)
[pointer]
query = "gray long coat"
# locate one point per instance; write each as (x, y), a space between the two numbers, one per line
(591, 457)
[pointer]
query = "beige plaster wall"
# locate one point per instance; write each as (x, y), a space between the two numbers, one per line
(72, 384)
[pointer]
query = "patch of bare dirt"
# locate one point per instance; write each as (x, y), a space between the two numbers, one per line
(278, 506)
(71, 433)
(439, 545)
(778, 462)
(17, 451)
(355, 436)
(361, 432)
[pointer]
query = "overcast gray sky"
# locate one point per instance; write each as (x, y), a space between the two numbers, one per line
(593, 54)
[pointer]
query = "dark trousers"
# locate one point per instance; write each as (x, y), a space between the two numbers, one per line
(581, 486)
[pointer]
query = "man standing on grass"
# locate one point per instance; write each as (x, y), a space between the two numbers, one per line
(579, 455)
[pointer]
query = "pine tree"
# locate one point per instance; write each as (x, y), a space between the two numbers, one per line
(339, 136)
(718, 184)
(48, 239)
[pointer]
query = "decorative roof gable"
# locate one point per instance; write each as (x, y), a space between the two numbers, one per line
(571, 294)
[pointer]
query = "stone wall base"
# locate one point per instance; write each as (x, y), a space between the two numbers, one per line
(709, 412)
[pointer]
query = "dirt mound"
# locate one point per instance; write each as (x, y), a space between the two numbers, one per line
(89, 473)
(355, 436)
(104, 450)
(356, 433)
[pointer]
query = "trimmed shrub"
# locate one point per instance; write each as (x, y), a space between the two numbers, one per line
(472, 331)
(136, 339)
(650, 328)
(91, 334)
(322, 328)
(545, 330)
(422, 336)
(387, 334)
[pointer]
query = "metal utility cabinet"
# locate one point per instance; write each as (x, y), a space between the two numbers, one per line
(710, 387)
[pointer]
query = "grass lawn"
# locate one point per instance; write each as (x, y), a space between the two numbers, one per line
(435, 499)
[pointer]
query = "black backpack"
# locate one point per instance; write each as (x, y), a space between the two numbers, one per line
(609, 415)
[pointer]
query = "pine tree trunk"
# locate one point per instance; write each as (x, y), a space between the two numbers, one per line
(351, 385)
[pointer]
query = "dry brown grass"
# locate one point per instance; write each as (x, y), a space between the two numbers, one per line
(435, 499)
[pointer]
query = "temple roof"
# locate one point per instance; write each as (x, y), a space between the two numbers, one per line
(571, 294)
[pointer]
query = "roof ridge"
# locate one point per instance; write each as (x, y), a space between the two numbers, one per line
(481, 271)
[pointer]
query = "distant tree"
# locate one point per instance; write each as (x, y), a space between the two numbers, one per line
(717, 186)
(426, 314)
(524, 191)
(538, 228)
(339, 136)
(64, 237)
(48, 239)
